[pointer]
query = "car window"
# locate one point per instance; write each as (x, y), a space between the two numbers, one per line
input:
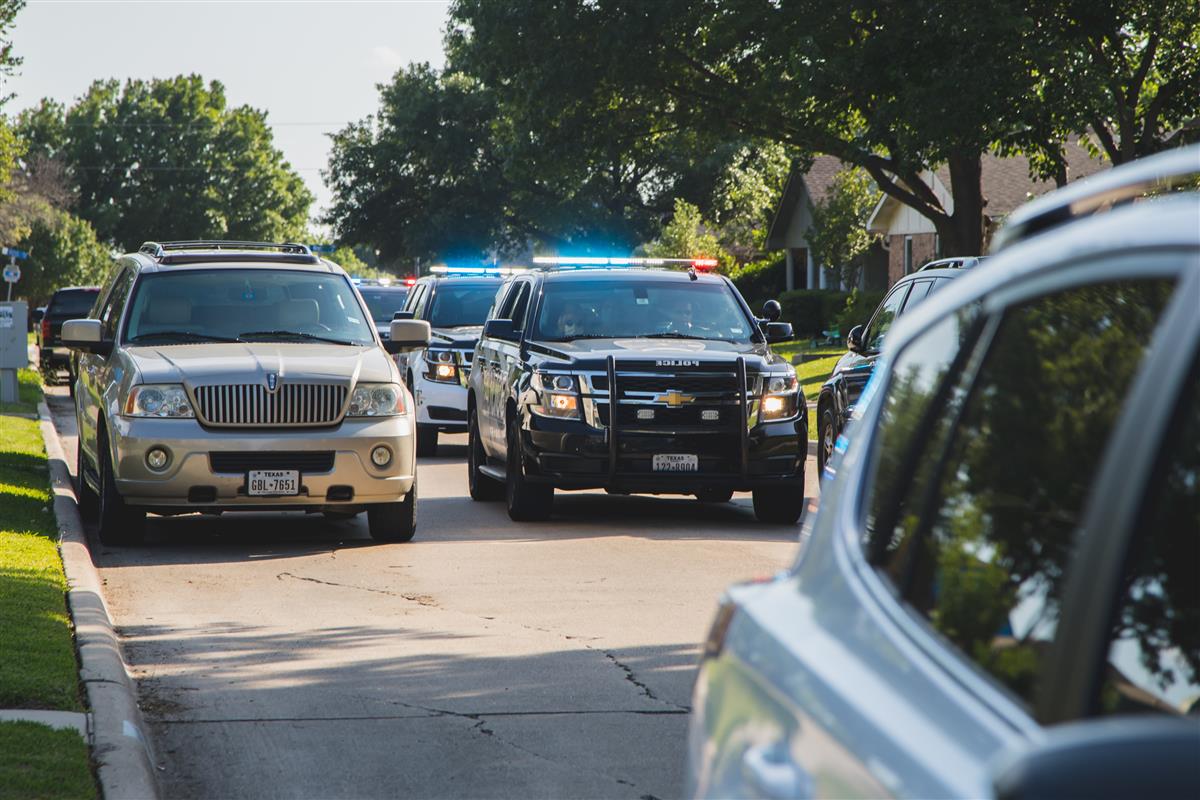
(459, 303)
(1154, 654)
(521, 306)
(889, 309)
(989, 519)
(73, 304)
(383, 303)
(111, 314)
(919, 292)
(416, 301)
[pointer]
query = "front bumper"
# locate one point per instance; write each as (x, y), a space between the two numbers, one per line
(189, 480)
(443, 405)
(572, 454)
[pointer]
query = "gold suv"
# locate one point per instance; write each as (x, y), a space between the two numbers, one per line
(217, 376)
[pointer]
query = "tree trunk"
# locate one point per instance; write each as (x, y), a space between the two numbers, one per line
(962, 232)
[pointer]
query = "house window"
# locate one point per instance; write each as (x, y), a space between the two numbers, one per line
(908, 255)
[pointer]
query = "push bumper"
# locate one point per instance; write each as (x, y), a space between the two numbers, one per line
(190, 478)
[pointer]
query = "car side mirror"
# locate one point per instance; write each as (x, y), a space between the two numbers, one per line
(771, 310)
(501, 329)
(407, 334)
(854, 339)
(778, 332)
(85, 334)
(402, 315)
(1114, 757)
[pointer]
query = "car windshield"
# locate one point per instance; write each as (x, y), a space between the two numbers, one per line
(458, 303)
(262, 304)
(74, 304)
(384, 303)
(651, 308)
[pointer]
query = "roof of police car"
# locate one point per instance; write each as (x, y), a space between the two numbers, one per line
(625, 273)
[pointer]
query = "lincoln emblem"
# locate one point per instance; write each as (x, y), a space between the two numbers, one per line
(272, 380)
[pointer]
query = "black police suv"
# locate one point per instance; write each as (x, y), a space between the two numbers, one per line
(633, 380)
(841, 391)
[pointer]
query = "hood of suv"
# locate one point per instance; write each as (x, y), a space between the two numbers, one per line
(594, 353)
(251, 362)
(461, 336)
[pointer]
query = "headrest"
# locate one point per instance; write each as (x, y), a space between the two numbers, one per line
(169, 311)
(294, 313)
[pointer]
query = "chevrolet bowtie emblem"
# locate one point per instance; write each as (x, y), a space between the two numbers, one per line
(674, 398)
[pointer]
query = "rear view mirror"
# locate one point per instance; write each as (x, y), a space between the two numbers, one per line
(501, 329)
(85, 334)
(854, 339)
(1115, 757)
(778, 332)
(407, 334)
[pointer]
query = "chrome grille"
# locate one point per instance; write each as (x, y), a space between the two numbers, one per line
(251, 405)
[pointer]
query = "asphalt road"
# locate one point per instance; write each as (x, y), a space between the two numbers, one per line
(284, 655)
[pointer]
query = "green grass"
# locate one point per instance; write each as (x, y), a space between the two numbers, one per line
(29, 393)
(812, 373)
(38, 669)
(39, 761)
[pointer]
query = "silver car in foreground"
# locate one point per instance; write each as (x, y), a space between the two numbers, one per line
(216, 376)
(1000, 593)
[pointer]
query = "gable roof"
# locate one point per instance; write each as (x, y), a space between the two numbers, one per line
(813, 184)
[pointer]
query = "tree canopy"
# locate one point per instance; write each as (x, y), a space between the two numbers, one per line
(167, 158)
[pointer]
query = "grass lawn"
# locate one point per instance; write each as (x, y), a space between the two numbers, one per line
(812, 373)
(37, 652)
(29, 393)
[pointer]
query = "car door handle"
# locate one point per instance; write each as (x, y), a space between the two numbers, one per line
(769, 772)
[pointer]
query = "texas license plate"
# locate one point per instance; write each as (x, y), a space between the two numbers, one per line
(266, 482)
(675, 462)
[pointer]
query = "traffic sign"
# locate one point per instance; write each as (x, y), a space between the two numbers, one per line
(12, 273)
(13, 252)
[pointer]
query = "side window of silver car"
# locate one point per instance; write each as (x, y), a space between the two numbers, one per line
(1154, 652)
(986, 525)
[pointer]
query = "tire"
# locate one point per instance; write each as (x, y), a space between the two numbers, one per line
(782, 505)
(826, 438)
(85, 497)
(427, 440)
(527, 502)
(394, 522)
(482, 488)
(714, 495)
(117, 523)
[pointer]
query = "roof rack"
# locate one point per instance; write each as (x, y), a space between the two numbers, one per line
(160, 249)
(1155, 174)
(956, 262)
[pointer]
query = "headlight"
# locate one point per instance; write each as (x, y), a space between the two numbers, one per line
(376, 400)
(559, 395)
(165, 400)
(441, 366)
(780, 398)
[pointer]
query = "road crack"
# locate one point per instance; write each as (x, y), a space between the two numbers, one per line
(631, 676)
(420, 599)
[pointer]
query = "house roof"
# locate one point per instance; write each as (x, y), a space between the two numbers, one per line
(813, 183)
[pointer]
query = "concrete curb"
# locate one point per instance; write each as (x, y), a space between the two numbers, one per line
(120, 746)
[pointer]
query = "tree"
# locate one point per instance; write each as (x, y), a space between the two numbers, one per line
(166, 158)
(10, 146)
(63, 251)
(839, 227)
(686, 236)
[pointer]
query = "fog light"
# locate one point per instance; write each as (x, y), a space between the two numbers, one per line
(773, 405)
(156, 458)
(710, 414)
(381, 456)
(445, 371)
(645, 413)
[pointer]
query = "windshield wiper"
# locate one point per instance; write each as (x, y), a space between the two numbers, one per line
(671, 335)
(191, 336)
(247, 335)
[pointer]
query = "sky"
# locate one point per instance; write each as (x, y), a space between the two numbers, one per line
(312, 65)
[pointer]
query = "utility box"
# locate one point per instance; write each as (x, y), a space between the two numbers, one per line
(14, 347)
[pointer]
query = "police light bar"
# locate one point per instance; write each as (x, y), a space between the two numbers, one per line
(442, 269)
(410, 281)
(620, 261)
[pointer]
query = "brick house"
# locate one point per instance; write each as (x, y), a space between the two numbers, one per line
(792, 221)
(910, 239)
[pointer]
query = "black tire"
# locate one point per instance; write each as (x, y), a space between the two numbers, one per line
(117, 523)
(782, 505)
(427, 440)
(826, 438)
(85, 497)
(394, 522)
(527, 502)
(482, 488)
(714, 495)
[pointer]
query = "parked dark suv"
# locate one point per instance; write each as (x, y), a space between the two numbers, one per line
(72, 302)
(864, 342)
(633, 380)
